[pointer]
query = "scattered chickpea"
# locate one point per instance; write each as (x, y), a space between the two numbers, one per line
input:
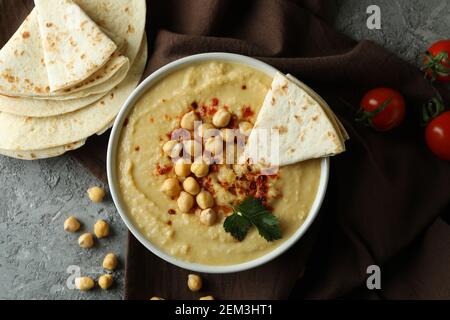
(191, 186)
(101, 229)
(170, 147)
(86, 240)
(105, 281)
(221, 118)
(71, 224)
(227, 135)
(110, 262)
(214, 145)
(207, 298)
(182, 169)
(156, 298)
(171, 187)
(245, 128)
(200, 169)
(185, 202)
(84, 283)
(192, 148)
(205, 200)
(187, 122)
(96, 194)
(194, 282)
(208, 217)
(205, 130)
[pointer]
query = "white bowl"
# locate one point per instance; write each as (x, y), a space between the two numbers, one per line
(114, 186)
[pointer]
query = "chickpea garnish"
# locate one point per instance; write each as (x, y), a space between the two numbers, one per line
(101, 229)
(208, 217)
(245, 128)
(185, 202)
(205, 130)
(96, 194)
(214, 145)
(191, 186)
(192, 148)
(200, 169)
(187, 122)
(207, 298)
(227, 135)
(194, 282)
(171, 187)
(221, 118)
(86, 241)
(172, 148)
(182, 169)
(105, 281)
(205, 200)
(71, 224)
(110, 262)
(84, 283)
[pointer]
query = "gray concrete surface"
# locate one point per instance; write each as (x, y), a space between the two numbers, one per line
(36, 197)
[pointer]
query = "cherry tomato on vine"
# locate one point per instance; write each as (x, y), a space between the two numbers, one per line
(382, 109)
(437, 132)
(436, 62)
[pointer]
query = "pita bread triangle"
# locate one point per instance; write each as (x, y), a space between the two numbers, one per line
(74, 45)
(305, 129)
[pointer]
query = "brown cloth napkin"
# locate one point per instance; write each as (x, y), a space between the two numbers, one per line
(388, 197)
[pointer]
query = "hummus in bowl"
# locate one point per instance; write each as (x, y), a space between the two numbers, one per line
(167, 206)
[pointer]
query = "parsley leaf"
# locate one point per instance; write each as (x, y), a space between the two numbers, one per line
(252, 212)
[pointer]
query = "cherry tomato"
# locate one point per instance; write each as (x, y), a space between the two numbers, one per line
(436, 63)
(382, 108)
(437, 135)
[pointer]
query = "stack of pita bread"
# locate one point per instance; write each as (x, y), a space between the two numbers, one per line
(305, 126)
(66, 72)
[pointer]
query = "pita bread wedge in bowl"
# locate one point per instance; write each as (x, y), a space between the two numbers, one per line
(303, 127)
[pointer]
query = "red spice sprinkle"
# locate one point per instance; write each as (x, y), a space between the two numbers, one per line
(233, 122)
(163, 170)
(194, 105)
(215, 102)
(247, 112)
(171, 212)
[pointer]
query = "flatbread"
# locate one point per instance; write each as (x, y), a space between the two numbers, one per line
(74, 46)
(26, 133)
(305, 131)
(23, 72)
(44, 153)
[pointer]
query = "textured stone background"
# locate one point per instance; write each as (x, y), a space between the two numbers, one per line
(36, 197)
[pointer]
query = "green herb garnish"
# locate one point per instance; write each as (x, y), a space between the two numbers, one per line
(252, 212)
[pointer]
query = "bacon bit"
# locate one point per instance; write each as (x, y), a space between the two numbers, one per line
(247, 112)
(163, 170)
(194, 105)
(125, 123)
(171, 212)
(215, 102)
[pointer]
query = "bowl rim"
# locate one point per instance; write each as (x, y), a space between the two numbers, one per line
(114, 186)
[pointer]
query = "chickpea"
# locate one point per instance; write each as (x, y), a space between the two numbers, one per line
(245, 128)
(200, 169)
(171, 187)
(227, 135)
(101, 229)
(221, 118)
(191, 186)
(84, 283)
(207, 298)
(214, 145)
(194, 282)
(192, 148)
(156, 298)
(185, 202)
(96, 194)
(169, 146)
(110, 262)
(187, 122)
(205, 200)
(105, 281)
(71, 224)
(208, 217)
(86, 240)
(204, 130)
(182, 169)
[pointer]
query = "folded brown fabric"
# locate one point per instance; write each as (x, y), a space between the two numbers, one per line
(386, 195)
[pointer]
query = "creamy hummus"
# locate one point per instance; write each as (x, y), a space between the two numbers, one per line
(143, 167)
